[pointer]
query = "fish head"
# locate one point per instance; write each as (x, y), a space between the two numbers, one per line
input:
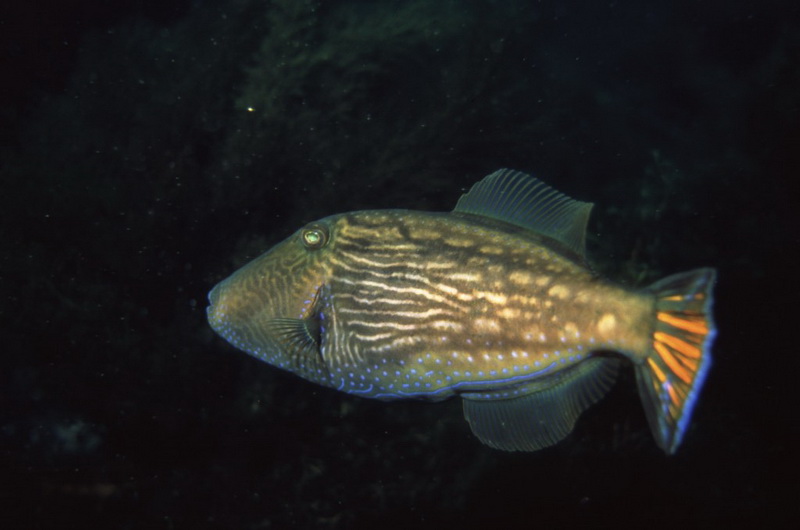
(270, 308)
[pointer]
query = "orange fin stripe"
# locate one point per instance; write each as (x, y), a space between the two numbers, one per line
(691, 364)
(693, 326)
(656, 370)
(677, 344)
(684, 298)
(673, 395)
(679, 353)
(693, 315)
(680, 391)
(673, 363)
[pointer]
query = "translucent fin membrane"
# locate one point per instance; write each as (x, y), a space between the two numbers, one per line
(672, 376)
(545, 416)
(525, 201)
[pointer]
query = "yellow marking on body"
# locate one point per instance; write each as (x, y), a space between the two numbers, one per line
(571, 328)
(424, 293)
(449, 289)
(464, 277)
(461, 243)
(583, 297)
(419, 315)
(491, 250)
(393, 325)
(387, 301)
(377, 246)
(542, 281)
(486, 324)
(509, 313)
(520, 277)
(559, 291)
(377, 337)
(377, 233)
(423, 233)
(673, 363)
(429, 265)
(404, 340)
(692, 324)
(492, 298)
(606, 324)
(447, 325)
(677, 344)
(475, 263)
(372, 263)
(524, 300)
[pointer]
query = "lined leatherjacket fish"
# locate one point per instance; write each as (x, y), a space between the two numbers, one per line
(492, 302)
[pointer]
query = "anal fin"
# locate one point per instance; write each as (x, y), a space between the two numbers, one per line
(544, 416)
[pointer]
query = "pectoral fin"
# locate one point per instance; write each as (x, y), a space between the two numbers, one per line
(299, 340)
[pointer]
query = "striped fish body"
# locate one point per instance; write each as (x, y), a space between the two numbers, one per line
(493, 303)
(427, 305)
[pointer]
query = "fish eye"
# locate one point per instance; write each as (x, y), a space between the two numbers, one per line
(314, 237)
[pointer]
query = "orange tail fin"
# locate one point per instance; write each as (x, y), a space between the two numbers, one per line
(672, 375)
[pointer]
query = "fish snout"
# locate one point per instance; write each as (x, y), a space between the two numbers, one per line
(213, 311)
(219, 312)
(230, 313)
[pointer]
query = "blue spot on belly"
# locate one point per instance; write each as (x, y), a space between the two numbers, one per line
(470, 385)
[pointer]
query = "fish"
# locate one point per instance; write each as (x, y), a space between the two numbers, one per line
(493, 302)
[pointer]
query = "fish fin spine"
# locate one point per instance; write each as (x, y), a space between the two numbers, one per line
(673, 373)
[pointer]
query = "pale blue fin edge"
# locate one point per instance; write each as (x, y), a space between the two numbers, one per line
(545, 417)
(671, 378)
(525, 201)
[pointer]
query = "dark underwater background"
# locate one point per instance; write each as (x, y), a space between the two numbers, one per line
(149, 148)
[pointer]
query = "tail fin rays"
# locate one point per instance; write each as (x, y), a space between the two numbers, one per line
(672, 376)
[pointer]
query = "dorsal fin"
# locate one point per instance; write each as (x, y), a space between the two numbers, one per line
(522, 200)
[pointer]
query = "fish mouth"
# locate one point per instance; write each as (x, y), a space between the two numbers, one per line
(224, 313)
(215, 312)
